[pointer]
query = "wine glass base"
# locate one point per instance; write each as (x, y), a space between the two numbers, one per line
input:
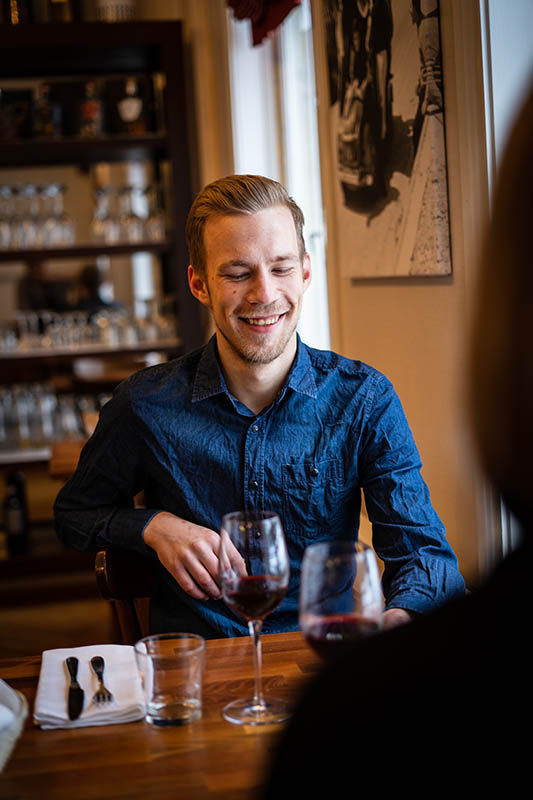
(248, 712)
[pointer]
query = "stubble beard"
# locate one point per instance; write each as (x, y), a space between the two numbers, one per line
(252, 353)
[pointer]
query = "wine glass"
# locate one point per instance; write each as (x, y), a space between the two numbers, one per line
(129, 223)
(340, 596)
(254, 577)
(154, 224)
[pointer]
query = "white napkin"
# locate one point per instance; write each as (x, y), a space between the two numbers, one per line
(121, 677)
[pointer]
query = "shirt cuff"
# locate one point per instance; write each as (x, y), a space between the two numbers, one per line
(126, 529)
(410, 600)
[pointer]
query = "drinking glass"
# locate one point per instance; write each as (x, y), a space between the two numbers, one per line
(104, 224)
(52, 233)
(254, 577)
(65, 222)
(17, 231)
(154, 224)
(29, 216)
(129, 223)
(340, 596)
(6, 213)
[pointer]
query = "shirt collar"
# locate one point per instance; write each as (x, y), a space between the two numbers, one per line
(209, 379)
(301, 378)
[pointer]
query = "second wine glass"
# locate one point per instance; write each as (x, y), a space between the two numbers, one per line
(341, 598)
(254, 577)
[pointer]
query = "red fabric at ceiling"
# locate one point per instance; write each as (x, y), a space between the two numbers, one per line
(264, 15)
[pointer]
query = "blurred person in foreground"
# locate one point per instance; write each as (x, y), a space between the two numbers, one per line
(444, 705)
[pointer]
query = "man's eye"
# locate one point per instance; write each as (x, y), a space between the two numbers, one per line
(237, 276)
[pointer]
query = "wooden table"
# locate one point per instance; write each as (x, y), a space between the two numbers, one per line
(210, 758)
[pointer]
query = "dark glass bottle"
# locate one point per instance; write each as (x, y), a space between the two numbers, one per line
(16, 515)
(46, 113)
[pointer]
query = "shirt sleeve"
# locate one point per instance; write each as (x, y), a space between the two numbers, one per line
(95, 508)
(420, 568)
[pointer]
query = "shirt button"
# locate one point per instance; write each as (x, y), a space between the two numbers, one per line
(255, 428)
(313, 472)
(254, 484)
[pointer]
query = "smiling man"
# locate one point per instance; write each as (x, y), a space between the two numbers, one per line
(255, 419)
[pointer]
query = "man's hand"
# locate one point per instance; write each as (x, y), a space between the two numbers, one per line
(188, 551)
(394, 617)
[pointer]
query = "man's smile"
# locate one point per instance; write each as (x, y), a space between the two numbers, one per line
(263, 322)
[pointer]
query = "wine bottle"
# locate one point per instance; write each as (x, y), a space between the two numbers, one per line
(15, 515)
(90, 112)
(131, 108)
(47, 114)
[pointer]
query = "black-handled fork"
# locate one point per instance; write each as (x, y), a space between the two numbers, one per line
(102, 694)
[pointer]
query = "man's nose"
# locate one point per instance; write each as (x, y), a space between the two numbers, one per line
(262, 288)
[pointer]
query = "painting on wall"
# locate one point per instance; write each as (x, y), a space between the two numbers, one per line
(386, 137)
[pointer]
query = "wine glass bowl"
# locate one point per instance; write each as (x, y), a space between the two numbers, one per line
(341, 598)
(254, 577)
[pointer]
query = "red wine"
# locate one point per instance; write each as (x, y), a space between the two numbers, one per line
(330, 635)
(255, 596)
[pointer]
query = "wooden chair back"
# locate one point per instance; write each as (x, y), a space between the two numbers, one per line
(126, 580)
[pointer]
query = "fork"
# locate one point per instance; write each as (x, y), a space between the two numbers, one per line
(102, 694)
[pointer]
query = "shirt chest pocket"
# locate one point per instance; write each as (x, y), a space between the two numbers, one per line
(313, 497)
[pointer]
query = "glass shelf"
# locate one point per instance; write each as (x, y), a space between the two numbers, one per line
(84, 251)
(67, 150)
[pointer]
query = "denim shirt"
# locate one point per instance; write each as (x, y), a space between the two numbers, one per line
(336, 427)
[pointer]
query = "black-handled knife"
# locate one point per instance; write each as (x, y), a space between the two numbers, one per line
(75, 692)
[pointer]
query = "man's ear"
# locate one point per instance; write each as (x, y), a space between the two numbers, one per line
(198, 286)
(307, 271)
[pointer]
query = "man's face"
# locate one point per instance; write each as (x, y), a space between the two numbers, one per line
(254, 282)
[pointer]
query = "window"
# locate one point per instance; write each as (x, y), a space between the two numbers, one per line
(275, 133)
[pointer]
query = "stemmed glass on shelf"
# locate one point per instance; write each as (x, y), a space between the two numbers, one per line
(254, 577)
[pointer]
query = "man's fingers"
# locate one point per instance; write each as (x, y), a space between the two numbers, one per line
(202, 565)
(191, 554)
(189, 584)
(231, 558)
(237, 562)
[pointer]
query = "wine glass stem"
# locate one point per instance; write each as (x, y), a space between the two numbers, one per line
(255, 632)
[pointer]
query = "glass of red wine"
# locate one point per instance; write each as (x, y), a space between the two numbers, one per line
(340, 596)
(254, 577)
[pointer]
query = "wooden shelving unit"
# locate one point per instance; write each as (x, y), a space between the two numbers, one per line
(94, 49)
(81, 51)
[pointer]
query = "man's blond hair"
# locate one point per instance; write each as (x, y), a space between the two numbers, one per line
(236, 194)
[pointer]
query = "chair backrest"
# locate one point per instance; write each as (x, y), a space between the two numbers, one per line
(126, 580)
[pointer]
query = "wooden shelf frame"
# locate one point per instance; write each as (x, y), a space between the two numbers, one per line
(97, 49)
